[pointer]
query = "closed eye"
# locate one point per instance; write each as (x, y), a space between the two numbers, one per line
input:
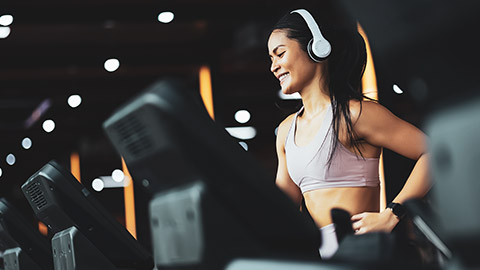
(278, 55)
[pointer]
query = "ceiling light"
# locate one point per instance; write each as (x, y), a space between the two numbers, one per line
(48, 125)
(97, 184)
(6, 20)
(289, 96)
(242, 133)
(114, 181)
(166, 17)
(118, 175)
(26, 143)
(74, 101)
(111, 65)
(244, 145)
(4, 32)
(397, 89)
(11, 159)
(242, 116)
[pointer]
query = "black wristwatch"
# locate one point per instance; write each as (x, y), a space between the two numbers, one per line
(397, 209)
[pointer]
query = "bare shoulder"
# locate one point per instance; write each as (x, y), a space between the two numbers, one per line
(287, 122)
(284, 127)
(371, 119)
(367, 110)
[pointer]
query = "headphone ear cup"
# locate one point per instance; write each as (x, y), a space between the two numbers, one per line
(318, 47)
(312, 55)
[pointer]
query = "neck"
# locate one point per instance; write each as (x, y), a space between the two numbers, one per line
(315, 99)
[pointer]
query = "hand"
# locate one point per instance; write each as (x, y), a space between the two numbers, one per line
(374, 222)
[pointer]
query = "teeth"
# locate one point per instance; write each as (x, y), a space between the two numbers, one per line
(283, 76)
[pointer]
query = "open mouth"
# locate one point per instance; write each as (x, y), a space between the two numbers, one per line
(282, 77)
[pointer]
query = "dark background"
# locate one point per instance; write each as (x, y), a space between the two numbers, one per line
(57, 48)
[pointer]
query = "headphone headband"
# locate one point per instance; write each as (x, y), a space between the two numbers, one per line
(318, 48)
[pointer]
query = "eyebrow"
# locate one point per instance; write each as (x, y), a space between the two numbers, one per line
(274, 51)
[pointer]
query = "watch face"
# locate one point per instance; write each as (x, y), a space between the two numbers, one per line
(397, 209)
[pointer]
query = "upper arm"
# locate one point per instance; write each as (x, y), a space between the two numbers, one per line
(380, 127)
(283, 179)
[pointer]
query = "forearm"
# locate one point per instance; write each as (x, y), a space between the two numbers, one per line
(416, 186)
(291, 191)
(418, 183)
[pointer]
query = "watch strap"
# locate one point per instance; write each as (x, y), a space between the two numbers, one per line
(397, 209)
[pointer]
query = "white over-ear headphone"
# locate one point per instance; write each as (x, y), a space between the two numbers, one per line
(318, 47)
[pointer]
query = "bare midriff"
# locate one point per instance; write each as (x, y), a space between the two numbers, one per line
(355, 200)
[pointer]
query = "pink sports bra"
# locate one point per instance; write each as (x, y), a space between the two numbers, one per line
(308, 168)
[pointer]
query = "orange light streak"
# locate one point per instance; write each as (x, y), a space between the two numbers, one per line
(369, 88)
(129, 198)
(206, 89)
(75, 165)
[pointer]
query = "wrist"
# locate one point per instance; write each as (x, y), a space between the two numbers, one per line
(397, 209)
(391, 219)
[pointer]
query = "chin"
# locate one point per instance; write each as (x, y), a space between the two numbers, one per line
(288, 91)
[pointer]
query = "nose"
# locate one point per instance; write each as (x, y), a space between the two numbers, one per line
(274, 67)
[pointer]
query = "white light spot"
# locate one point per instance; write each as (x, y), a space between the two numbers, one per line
(11, 159)
(48, 125)
(74, 101)
(4, 32)
(97, 184)
(397, 89)
(6, 20)
(1, 172)
(242, 133)
(111, 65)
(26, 143)
(166, 17)
(244, 145)
(117, 175)
(242, 116)
(292, 96)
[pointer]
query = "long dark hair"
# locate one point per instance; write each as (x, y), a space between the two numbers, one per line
(345, 65)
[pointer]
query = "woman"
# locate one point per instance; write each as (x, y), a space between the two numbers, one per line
(328, 151)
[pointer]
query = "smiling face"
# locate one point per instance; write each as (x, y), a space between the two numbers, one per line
(291, 64)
